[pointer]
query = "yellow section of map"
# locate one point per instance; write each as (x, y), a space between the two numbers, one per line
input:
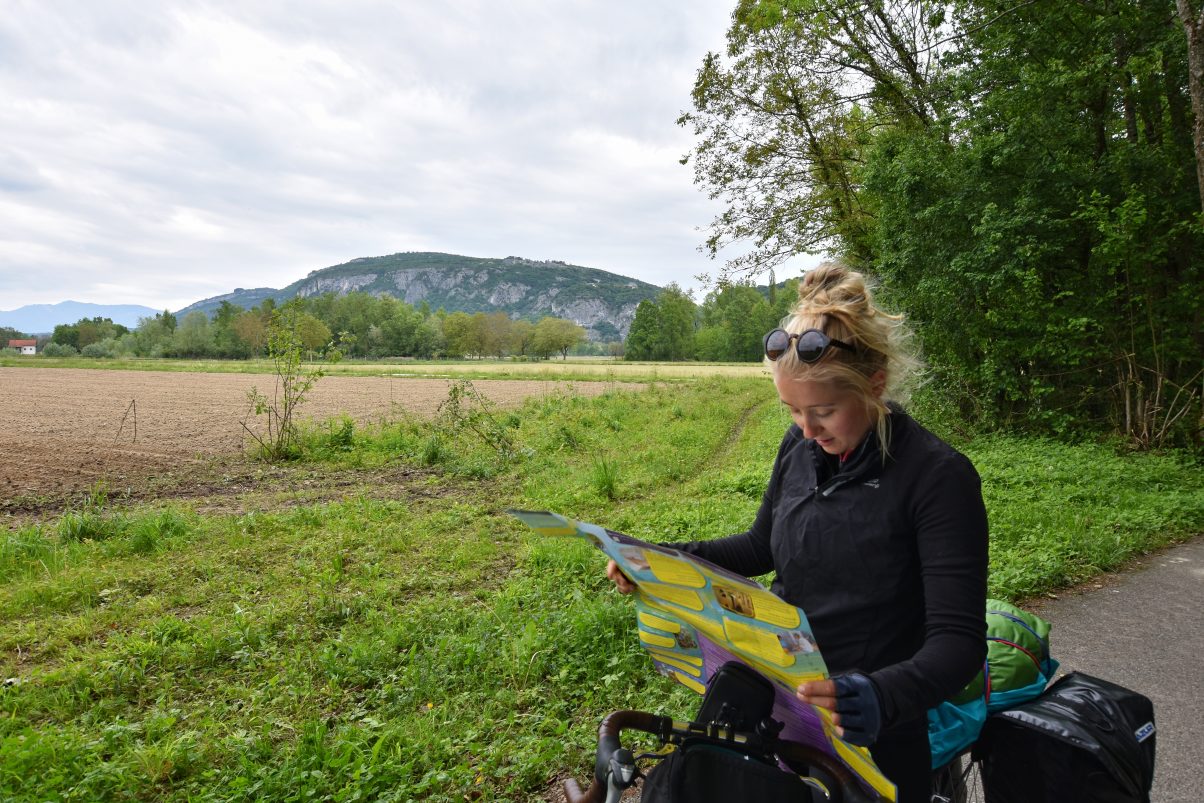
(659, 641)
(678, 661)
(678, 596)
(673, 570)
(659, 623)
(772, 610)
(756, 641)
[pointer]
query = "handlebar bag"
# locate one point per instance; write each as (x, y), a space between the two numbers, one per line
(1083, 740)
(708, 773)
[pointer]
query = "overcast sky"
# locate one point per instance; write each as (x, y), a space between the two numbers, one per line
(162, 152)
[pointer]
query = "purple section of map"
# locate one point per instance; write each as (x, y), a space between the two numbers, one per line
(803, 724)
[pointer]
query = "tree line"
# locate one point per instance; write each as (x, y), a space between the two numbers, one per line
(1020, 176)
(728, 326)
(356, 325)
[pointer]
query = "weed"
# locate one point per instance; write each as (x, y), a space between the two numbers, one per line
(87, 525)
(30, 548)
(466, 410)
(148, 533)
(433, 451)
(605, 478)
(568, 437)
(341, 435)
(96, 499)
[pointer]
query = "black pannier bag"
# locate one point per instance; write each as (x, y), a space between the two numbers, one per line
(1083, 740)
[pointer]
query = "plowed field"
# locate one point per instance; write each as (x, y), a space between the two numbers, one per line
(65, 429)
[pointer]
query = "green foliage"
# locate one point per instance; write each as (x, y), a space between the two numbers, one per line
(663, 328)
(53, 349)
(783, 117)
(466, 412)
(735, 318)
(553, 335)
(193, 337)
(86, 331)
(1025, 189)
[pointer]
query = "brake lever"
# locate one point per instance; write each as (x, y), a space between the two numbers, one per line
(622, 774)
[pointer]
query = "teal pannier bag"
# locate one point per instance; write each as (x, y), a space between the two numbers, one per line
(1017, 668)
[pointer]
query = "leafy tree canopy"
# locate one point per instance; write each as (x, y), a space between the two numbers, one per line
(1019, 175)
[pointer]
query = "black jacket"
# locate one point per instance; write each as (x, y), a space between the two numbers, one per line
(889, 562)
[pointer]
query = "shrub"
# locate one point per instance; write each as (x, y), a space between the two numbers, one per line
(100, 350)
(59, 350)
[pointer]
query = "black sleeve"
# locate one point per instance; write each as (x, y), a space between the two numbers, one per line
(951, 535)
(747, 553)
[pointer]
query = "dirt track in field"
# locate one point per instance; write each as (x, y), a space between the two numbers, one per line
(64, 429)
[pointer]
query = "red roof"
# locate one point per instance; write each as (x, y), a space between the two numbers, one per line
(16, 344)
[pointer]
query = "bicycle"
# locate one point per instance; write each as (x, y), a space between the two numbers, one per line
(733, 733)
(615, 768)
(733, 725)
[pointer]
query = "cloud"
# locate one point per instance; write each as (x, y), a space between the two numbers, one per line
(161, 153)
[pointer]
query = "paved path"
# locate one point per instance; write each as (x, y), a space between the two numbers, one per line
(1144, 629)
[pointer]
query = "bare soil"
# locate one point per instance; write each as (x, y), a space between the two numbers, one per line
(64, 430)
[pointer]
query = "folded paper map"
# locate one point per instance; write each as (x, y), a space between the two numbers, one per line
(694, 616)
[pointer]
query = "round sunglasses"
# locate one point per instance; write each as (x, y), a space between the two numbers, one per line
(810, 345)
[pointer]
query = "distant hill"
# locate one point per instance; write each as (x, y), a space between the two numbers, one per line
(604, 303)
(39, 319)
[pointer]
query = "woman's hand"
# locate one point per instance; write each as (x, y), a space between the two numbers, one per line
(821, 694)
(854, 701)
(621, 581)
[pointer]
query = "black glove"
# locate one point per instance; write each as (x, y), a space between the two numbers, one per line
(859, 708)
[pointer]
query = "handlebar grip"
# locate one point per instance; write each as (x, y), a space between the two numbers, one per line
(608, 742)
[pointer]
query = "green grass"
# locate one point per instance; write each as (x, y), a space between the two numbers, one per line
(586, 369)
(430, 647)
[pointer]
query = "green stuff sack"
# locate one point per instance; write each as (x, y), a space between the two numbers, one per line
(1017, 668)
(1018, 663)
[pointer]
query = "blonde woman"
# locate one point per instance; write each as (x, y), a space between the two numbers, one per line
(871, 524)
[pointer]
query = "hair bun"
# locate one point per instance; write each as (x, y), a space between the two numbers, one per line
(832, 286)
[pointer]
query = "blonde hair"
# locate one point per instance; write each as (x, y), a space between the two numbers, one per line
(839, 302)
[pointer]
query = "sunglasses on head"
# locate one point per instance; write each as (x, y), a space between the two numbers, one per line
(810, 345)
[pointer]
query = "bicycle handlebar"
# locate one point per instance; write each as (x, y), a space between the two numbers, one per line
(848, 789)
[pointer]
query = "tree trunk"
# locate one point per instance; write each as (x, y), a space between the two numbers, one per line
(1193, 25)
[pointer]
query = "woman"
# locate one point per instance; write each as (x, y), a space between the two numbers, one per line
(873, 526)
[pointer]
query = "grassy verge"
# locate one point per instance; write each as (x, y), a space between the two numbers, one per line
(578, 369)
(432, 649)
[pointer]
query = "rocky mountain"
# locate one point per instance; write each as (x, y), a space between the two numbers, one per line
(602, 302)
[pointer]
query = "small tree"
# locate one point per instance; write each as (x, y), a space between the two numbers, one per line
(556, 334)
(250, 328)
(285, 348)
